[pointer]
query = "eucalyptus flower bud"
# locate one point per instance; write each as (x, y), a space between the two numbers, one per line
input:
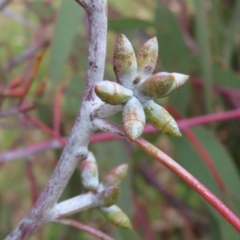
(108, 197)
(116, 216)
(156, 86)
(147, 58)
(89, 173)
(112, 92)
(124, 62)
(133, 118)
(180, 79)
(115, 177)
(161, 119)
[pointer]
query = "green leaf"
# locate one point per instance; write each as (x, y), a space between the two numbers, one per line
(68, 21)
(73, 95)
(189, 158)
(231, 31)
(172, 47)
(45, 113)
(43, 10)
(172, 52)
(226, 78)
(205, 51)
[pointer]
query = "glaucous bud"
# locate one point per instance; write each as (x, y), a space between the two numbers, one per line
(116, 216)
(108, 197)
(112, 92)
(115, 176)
(147, 58)
(124, 62)
(89, 173)
(156, 86)
(133, 118)
(180, 79)
(161, 119)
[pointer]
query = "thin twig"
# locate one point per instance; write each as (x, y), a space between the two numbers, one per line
(57, 110)
(178, 170)
(181, 206)
(31, 180)
(86, 228)
(32, 76)
(16, 111)
(26, 54)
(76, 148)
(18, 18)
(45, 128)
(4, 3)
(101, 137)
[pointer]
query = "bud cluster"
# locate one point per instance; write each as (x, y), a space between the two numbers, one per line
(106, 191)
(136, 88)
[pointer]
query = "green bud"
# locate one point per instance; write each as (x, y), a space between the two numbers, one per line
(156, 86)
(89, 173)
(112, 92)
(116, 216)
(133, 118)
(147, 58)
(124, 62)
(115, 176)
(180, 79)
(108, 197)
(161, 119)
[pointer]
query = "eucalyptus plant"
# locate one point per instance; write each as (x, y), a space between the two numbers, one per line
(134, 93)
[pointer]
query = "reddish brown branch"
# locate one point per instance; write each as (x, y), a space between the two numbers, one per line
(179, 171)
(86, 228)
(31, 181)
(57, 110)
(45, 128)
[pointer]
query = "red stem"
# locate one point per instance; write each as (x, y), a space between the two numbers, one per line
(202, 152)
(206, 158)
(45, 128)
(192, 181)
(31, 181)
(57, 110)
(32, 76)
(181, 172)
(101, 137)
(86, 228)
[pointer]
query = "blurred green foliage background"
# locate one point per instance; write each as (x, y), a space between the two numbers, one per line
(196, 37)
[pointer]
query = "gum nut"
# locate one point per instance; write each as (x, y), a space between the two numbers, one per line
(161, 119)
(157, 85)
(116, 216)
(147, 58)
(124, 62)
(133, 118)
(112, 92)
(180, 79)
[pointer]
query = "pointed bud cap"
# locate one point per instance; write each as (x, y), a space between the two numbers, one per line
(133, 118)
(116, 216)
(124, 62)
(89, 173)
(155, 86)
(112, 93)
(115, 176)
(147, 58)
(108, 197)
(180, 79)
(161, 119)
